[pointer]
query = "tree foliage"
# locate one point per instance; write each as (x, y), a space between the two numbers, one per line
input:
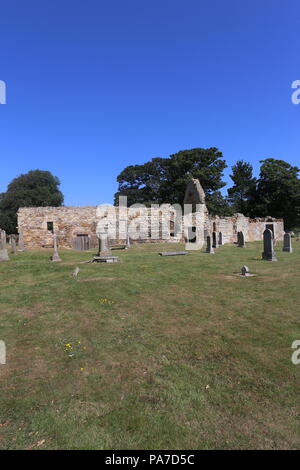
(33, 189)
(164, 180)
(244, 186)
(277, 192)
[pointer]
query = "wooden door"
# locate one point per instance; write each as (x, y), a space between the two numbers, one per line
(82, 242)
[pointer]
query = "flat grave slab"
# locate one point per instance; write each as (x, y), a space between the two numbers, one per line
(105, 259)
(173, 253)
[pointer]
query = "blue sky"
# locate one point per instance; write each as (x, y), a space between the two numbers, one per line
(94, 86)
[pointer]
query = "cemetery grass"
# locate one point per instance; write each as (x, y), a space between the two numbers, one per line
(152, 352)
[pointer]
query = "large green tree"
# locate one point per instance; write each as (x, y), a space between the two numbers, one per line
(278, 192)
(244, 184)
(164, 180)
(33, 189)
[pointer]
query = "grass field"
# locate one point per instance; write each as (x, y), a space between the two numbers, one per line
(152, 352)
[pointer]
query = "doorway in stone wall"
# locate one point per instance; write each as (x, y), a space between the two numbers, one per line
(82, 242)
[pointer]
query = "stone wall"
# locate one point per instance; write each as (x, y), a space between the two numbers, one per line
(76, 227)
(143, 225)
(68, 222)
(252, 228)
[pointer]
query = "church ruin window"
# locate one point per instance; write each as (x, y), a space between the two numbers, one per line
(50, 227)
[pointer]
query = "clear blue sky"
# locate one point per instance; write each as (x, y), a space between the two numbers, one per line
(94, 86)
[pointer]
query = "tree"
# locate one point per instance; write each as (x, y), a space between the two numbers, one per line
(278, 192)
(244, 185)
(163, 180)
(33, 189)
(217, 204)
(141, 183)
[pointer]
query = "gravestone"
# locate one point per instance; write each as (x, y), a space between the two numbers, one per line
(21, 246)
(13, 244)
(214, 240)
(55, 257)
(104, 252)
(173, 253)
(128, 245)
(220, 241)
(104, 249)
(105, 259)
(244, 270)
(75, 273)
(3, 250)
(241, 240)
(209, 248)
(287, 243)
(268, 254)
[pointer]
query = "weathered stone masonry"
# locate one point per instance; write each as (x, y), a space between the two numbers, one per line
(75, 227)
(38, 223)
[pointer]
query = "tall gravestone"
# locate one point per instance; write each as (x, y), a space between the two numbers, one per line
(287, 243)
(220, 241)
(21, 246)
(195, 213)
(241, 240)
(104, 249)
(214, 240)
(209, 248)
(13, 244)
(268, 254)
(128, 245)
(3, 250)
(55, 257)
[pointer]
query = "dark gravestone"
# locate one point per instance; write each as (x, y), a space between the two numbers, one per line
(214, 240)
(241, 240)
(268, 254)
(244, 270)
(287, 243)
(271, 227)
(209, 248)
(220, 238)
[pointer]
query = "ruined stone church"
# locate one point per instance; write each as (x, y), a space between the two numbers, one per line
(75, 227)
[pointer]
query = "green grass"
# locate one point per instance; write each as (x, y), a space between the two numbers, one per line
(182, 355)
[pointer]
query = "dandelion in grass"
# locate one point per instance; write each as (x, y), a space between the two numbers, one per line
(105, 301)
(74, 348)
